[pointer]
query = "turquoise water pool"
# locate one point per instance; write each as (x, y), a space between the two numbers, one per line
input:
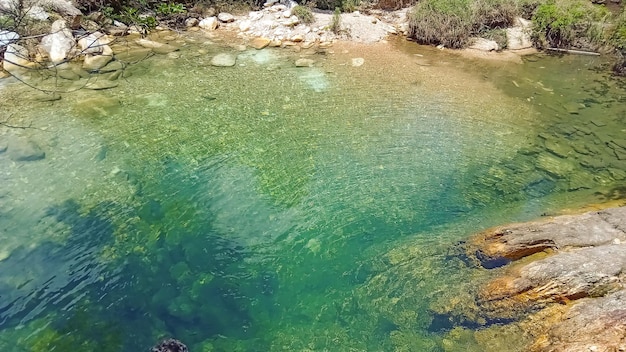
(265, 207)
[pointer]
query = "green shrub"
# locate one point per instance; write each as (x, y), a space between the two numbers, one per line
(446, 22)
(303, 13)
(618, 37)
(168, 9)
(571, 23)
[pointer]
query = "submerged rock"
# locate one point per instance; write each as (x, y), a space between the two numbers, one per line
(23, 149)
(223, 60)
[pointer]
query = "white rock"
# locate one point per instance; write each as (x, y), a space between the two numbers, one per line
(287, 14)
(225, 17)
(255, 15)
(37, 13)
(209, 23)
(59, 43)
(7, 37)
(483, 44)
(245, 25)
(91, 43)
(223, 60)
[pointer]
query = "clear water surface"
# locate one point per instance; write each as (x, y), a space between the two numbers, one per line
(264, 207)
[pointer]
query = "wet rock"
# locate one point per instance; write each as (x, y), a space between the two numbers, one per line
(555, 166)
(97, 107)
(557, 148)
(112, 67)
(159, 48)
(170, 345)
(512, 242)
(23, 149)
(132, 54)
(591, 325)
(101, 84)
(97, 61)
(3, 146)
(260, 42)
(224, 60)
(567, 275)
(304, 63)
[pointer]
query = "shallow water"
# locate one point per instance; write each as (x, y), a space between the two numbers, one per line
(265, 207)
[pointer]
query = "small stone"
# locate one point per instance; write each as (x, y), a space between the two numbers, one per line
(297, 38)
(358, 61)
(226, 17)
(260, 43)
(191, 22)
(223, 60)
(305, 62)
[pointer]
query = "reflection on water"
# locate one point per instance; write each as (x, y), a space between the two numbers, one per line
(267, 207)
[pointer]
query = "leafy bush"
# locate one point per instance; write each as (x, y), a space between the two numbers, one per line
(572, 23)
(303, 13)
(167, 9)
(447, 22)
(618, 40)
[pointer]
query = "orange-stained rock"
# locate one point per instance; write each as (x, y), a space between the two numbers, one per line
(500, 245)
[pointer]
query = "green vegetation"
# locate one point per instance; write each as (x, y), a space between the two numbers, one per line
(557, 23)
(335, 24)
(303, 13)
(575, 23)
(167, 9)
(618, 39)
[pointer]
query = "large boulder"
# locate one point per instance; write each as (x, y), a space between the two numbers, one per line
(60, 43)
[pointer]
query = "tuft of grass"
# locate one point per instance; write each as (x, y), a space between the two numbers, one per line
(303, 13)
(571, 23)
(335, 24)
